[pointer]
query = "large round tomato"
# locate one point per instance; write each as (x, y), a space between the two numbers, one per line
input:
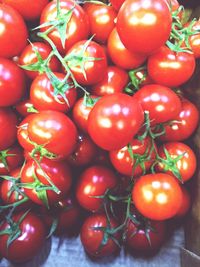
(13, 32)
(144, 25)
(157, 196)
(114, 120)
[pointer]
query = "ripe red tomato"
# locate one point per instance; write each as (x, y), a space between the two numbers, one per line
(13, 32)
(120, 55)
(170, 68)
(116, 4)
(114, 81)
(12, 85)
(194, 40)
(93, 233)
(38, 175)
(114, 120)
(157, 196)
(161, 102)
(28, 243)
(185, 166)
(28, 56)
(185, 204)
(93, 182)
(45, 97)
(23, 107)
(144, 26)
(77, 28)
(94, 65)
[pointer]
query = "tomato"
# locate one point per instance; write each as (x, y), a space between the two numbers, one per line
(8, 129)
(145, 239)
(194, 40)
(76, 29)
(92, 65)
(13, 32)
(162, 103)
(23, 107)
(93, 233)
(46, 97)
(114, 120)
(170, 68)
(93, 182)
(53, 130)
(10, 159)
(38, 174)
(144, 26)
(101, 19)
(30, 10)
(114, 81)
(29, 56)
(184, 124)
(171, 152)
(185, 204)
(133, 164)
(116, 4)
(12, 86)
(28, 243)
(120, 55)
(157, 196)
(84, 153)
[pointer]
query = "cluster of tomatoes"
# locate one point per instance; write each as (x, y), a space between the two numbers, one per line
(93, 123)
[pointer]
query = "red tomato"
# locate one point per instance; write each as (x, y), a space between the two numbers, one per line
(8, 128)
(23, 107)
(77, 28)
(134, 164)
(185, 204)
(28, 56)
(13, 32)
(94, 182)
(101, 19)
(114, 81)
(12, 85)
(184, 124)
(114, 120)
(38, 175)
(120, 55)
(144, 26)
(194, 40)
(186, 165)
(161, 102)
(157, 196)
(46, 97)
(117, 4)
(28, 243)
(93, 239)
(94, 63)
(170, 68)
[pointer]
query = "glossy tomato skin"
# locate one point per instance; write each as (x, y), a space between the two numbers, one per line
(77, 28)
(30, 240)
(12, 86)
(28, 56)
(162, 103)
(170, 68)
(58, 172)
(125, 164)
(13, 38)
(114, 81)
(116, 4)
(141, 22)
(185, 204)
(194, 40)
(8, 128)
(186, 165)
(136, 237)
(120, 55)
(101, 19)
(93, 182)
(92, 238)
(62, 133)
(184, 124)
(92, 70)
(42, 94)
(23, 106)
(157, 196)
(30, 10)
(114, 120)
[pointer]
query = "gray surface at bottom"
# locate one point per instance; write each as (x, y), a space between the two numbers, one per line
(68, 252)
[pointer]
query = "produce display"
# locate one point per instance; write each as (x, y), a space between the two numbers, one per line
(95, 123)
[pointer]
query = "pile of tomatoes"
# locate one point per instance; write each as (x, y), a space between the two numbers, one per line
(95, 123)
